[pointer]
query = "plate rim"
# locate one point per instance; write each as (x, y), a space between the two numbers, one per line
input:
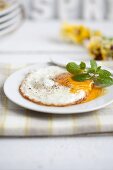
(43, 108)
(11, 15)
(11, 28)
(10, 22)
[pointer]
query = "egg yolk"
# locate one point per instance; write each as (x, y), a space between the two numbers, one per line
(92, 92)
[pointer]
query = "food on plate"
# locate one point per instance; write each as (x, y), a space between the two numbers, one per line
(101, 48)
(53, 86)
(78, 33)
(56, 86)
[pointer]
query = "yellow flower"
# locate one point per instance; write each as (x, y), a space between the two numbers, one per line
(100, 48)
(95, 33)
(75, 33)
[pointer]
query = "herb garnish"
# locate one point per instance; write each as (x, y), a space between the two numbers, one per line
(101, 77)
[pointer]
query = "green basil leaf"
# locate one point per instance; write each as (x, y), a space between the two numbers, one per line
(82, 65)
(73, 68)
(104, 73)
(104, 82)
(82, 77)
(93, 64)
(98, 69)
(90, 70)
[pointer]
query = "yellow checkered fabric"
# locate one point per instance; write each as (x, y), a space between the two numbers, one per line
(17, 121)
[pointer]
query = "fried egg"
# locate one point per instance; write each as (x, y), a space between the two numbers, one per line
(54, 86)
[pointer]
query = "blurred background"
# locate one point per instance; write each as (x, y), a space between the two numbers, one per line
(32, 27)
(69, 9)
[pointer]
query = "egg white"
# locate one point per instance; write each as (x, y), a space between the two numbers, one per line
(39, 86)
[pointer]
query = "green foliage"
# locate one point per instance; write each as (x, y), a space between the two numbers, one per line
(82, 77)
(101, 77)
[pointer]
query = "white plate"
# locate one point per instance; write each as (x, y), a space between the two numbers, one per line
(12, 6)
(11, 21)
(11, 87)
(10, 15)
(12, 27)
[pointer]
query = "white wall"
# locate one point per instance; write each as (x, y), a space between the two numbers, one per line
(69, 9)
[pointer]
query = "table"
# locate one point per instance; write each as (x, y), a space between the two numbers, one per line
(52, 153)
